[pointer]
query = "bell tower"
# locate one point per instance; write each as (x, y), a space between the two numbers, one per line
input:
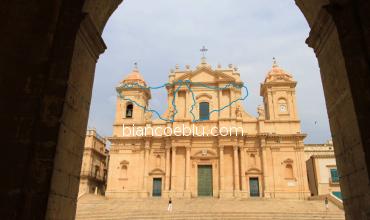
(279, 97)
(133, 97)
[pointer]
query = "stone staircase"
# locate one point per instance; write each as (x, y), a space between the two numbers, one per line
(100, 208)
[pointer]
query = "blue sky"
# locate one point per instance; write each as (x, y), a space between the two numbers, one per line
(160, 34)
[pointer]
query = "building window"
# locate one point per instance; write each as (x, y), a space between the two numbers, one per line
(129, 110)
(97, 170)
(334, 175)
(124, 171)
(203, 111)
(289, 171)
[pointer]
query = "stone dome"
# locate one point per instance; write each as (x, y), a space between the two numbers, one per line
(134, 77)
(277, 74)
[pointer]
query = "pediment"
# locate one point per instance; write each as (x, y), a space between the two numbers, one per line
(206, 75)
(157, 171)
(203, 95)
(205, 153)
(253, 171)
(124, 162)
(288, 161)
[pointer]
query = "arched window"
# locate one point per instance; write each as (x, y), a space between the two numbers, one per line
(289, 171)
(123, 171)
(129, 110)
(203, 111)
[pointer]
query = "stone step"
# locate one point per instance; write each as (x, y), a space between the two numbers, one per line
(101, 208)
(211, 217)
(117, 216)
(188, 215)
(215, 213)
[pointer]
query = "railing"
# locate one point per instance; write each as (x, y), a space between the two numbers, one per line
(100, 151)
(93, 175)
(94, 133)
(336, 200)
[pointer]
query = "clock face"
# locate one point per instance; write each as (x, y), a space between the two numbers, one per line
(283, 108)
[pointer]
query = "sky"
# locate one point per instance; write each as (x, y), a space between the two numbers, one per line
(160, 34)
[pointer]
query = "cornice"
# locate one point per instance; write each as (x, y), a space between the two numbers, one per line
(91, 37)
(323, 156)
(282, 121)
(278, 83)
(320, 31)
(96, 151)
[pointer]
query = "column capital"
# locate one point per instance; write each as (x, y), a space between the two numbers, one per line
(167, 144)
(262, 141)
(221, 147)
(235, 147)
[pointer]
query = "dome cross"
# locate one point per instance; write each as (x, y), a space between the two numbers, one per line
(204, 51)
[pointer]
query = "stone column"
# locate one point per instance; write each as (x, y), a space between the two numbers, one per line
(173, 169)
(242, 168)
(221, 114)
(221, 167)
(232, 107)
(187, 101)
(187, 169)
(266, 189)
(168, 168)
(146, 165)
(236, 170)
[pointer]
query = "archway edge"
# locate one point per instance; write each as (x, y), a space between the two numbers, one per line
(332, 45)
(52, 51)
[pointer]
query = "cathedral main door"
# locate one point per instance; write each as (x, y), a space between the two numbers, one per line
(205, 180)
(254, 187)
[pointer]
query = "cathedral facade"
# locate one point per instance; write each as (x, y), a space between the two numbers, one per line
(234, 155)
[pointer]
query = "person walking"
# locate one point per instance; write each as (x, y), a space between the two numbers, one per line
(326, 203)
(169, 208)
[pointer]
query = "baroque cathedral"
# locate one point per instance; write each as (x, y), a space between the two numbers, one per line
(262, 157)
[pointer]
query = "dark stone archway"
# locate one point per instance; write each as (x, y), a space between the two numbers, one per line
(50, 49)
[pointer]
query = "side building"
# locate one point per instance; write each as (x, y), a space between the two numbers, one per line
(323, 176)
(94, 164)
